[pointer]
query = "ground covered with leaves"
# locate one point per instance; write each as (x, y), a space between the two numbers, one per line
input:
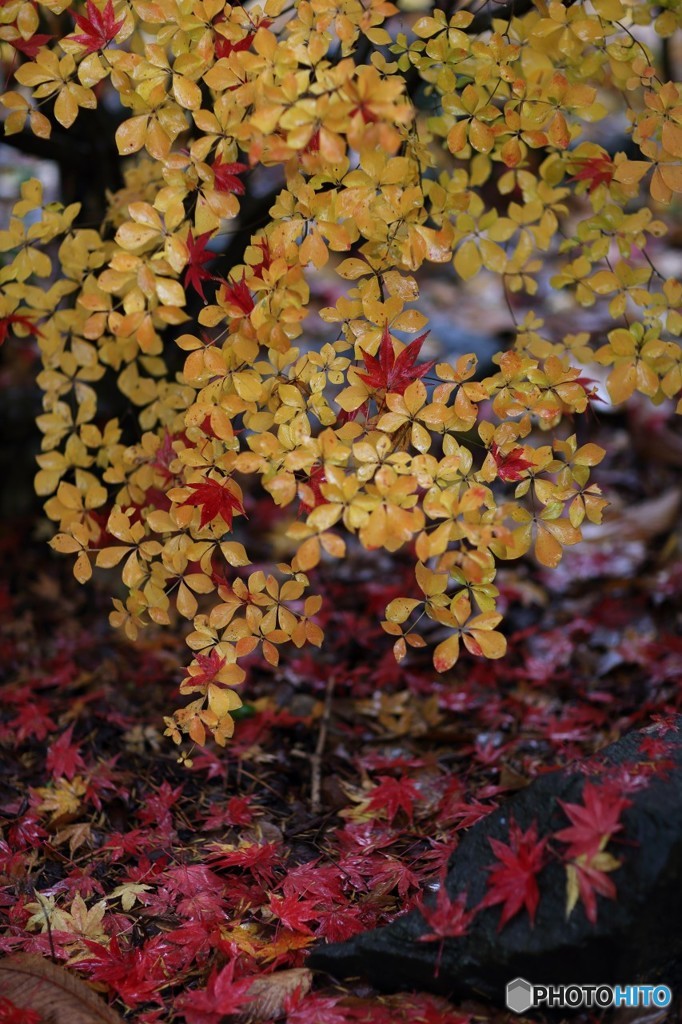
(187, 890)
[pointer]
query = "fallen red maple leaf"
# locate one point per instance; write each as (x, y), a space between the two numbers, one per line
(214, 499)
(593, 821)
(512, 881)
(99, 27)
(394, 373)
(448, 919)
(392, 795)
(314, 1009)
(221, 997)
(592, 878)
(63, 758)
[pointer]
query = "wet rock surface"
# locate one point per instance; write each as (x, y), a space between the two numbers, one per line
(637, 936)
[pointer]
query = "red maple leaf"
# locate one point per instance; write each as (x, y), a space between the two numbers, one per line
(237, 293)
(195, 273)
(224, 47)
(225, 176)
(394, 795)
(63, 759)
(313, 1009)
(221, 997)
(394, 373)
(314, 483)
(295, 913)
(99, 27)
(266, 258)
(448, 919)
(590, 882)
(593, 821)
(259, 859)
(215, 500)
(512, 881)
(597, 170)
(14, 318)
(29, 48)
(512, 466)
(210, 665)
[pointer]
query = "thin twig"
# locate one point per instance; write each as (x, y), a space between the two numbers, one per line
(316, 759)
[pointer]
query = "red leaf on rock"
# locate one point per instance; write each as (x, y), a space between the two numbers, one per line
(391, 373)
(591, 880)
(448, 919)
(512, 880)
(594, 820)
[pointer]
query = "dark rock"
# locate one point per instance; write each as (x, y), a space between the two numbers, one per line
(636, 937)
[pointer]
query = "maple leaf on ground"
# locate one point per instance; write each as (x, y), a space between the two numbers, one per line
(394, 373)
(99, 27)
(260, 859)
(512, 466)
(221, 997)
(226, 176)
(587, 877)
(512, 881)
(593, 822)
(314, 1009)
(63, 758)
(215, 501)
(295, 913)
(195, 273)
(136, 975)
(392, 795)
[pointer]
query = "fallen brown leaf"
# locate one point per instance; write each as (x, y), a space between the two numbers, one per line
(268, 995)
(33, 983)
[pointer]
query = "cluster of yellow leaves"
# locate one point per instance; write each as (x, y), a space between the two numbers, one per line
(352, 440)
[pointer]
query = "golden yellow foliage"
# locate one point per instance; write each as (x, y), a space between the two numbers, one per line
(356, 439)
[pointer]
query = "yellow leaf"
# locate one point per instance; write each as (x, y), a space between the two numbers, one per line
(446, 653)
(131, 135)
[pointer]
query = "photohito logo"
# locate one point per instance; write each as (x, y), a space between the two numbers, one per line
(522, 995)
